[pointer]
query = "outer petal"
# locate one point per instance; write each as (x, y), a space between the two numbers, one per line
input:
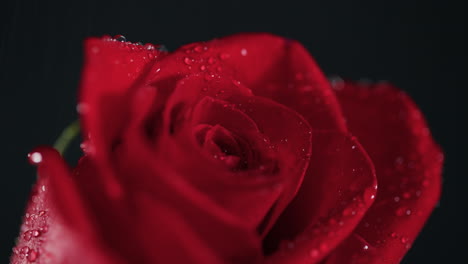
(56, 228)
(112, 68)
(338, 188)
(273, 67)
(408, 165)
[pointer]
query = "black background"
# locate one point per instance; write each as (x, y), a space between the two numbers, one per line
(418, 45)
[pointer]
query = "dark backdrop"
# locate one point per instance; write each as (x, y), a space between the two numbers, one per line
(418, 45)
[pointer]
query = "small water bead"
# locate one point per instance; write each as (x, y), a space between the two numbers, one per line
(336, 83)
(25, 250)
(396, 199)
(365, 247)
(224, 56)
(404, 240)
(209, 76)
(32, 256)
(243, 52)
(402, 211)
(36, 233)
(82, 108)
(188, 61)
(163, 48)
(369, 194)
(406, 195)
(353, 147)
(393, 235)
(200, 48)
(202, 67)
(211, 60)
(120, 38)
(399, 160)
(149, 46)
(35, 158)
(314, 253)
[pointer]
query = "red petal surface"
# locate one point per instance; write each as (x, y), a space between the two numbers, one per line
(336, 192)
(271, 66)
(110, 70)
(408, 165)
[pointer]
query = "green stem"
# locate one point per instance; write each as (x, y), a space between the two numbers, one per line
(68, 134)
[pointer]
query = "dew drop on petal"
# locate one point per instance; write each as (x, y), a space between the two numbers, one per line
(32, 256)
(243, 52)
(188, 60)
(120, 38)
(314, 253)
(25, 250)
(35, 157)
(149, 46)
(225, 56)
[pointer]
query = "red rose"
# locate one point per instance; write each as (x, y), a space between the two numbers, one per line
(236, 150)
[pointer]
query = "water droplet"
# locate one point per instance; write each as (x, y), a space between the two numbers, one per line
(406, 195)
(396, 199)
(27, 235)
(348, 211)
(404, 240)
(209, 76)
(337, 83)
(35, 233)
(211, 60)
(314, 253)
(35, 157)
(149, 46)
(369, 194)
(32, 256)
(25, 250)
(95, 49)
(243, 52)
(163, 48)
(353, 147)
(307, 88)
(199, 49)
(393, 234)
(399, 160)
(400, 211)
(82, 108)
(188, 60)
(299, 76)
(365, 247)
(425, 183)
(120, 38)
(224, 56)
(202, 67)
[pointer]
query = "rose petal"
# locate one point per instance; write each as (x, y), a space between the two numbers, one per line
(111, 69)
(56, 227)
(336, 192)
(408, 165)
(272, 66)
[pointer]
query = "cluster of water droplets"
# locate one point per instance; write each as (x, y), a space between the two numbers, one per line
(35, 222)
(326, 229)
(212, 65)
